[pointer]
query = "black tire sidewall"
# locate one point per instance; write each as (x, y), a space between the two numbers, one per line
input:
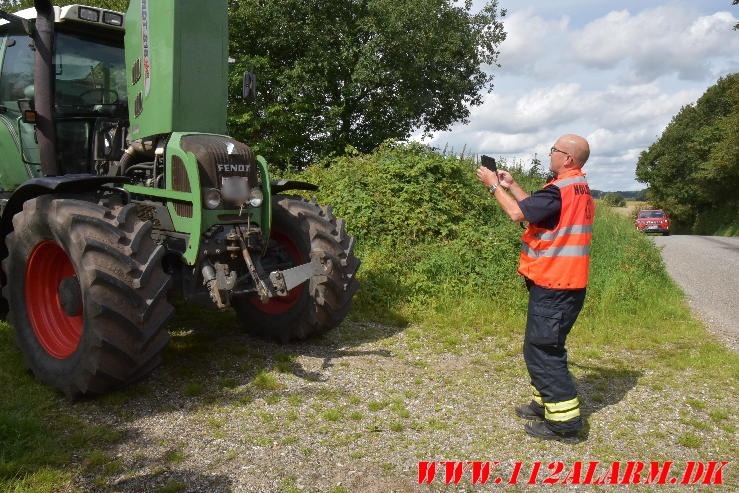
(122, 284)
(279, 325)
(37, 228)
(326, 297)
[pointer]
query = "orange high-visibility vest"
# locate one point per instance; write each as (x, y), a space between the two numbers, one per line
(559, 258)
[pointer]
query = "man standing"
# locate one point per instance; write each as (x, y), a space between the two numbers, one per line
(555, 257)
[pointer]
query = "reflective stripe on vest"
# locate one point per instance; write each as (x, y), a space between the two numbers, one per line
(577, 229)
(569, 181)
(558, 251)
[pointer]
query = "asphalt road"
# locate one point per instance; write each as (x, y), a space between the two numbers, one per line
(707, 269)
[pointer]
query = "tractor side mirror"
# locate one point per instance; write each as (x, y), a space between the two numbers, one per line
(249, 86)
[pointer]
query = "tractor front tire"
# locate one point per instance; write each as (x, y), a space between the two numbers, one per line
(87, 294)
(302, 230)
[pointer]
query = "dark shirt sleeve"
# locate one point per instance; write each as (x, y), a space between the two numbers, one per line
(542, 207)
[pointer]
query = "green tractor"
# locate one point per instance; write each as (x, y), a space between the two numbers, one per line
(119, 189)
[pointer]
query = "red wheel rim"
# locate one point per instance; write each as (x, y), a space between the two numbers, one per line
(58, 333)
(282, 304)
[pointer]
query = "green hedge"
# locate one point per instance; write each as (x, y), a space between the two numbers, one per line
(435, 245)
(428, 233)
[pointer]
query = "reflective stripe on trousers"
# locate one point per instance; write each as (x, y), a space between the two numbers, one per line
(557, 411)
(562, 411)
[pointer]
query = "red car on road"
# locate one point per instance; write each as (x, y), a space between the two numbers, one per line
(653, 221)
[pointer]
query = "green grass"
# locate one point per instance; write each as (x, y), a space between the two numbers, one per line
(265, 381)
(332, 415)
(175, 456)
(36, 440)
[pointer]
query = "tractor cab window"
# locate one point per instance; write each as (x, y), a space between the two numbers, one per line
(89, 85)
(16, 87)
(90, 77)
(16, 82)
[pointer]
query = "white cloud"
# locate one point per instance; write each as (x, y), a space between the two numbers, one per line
(620, 144)
(500, 143)
(603, 42)
(529, 40)
(656, 42)
(647, 106)
(526, 111)
(617, 78)
(510, 123)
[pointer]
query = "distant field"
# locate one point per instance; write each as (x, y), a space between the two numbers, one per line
(630, 206)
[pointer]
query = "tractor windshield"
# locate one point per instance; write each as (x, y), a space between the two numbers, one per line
(90, 77)
(89, 86)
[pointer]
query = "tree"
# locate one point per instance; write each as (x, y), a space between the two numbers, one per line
(614, 199)
(338, 73)
(693, 168)
(641, 195)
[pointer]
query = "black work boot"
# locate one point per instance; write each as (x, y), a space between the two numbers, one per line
(532, 410)
(541, 430)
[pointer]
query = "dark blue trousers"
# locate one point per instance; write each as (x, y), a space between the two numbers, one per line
(551, 315)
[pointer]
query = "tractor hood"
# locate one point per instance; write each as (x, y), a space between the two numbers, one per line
(177, 60)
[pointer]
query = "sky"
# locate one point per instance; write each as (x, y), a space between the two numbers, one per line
(615, 72)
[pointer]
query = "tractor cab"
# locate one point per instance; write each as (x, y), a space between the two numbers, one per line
(89, 98)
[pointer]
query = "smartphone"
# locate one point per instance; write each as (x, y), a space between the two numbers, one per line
(489, 163)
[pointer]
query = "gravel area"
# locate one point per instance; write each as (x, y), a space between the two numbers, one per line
(359, 408)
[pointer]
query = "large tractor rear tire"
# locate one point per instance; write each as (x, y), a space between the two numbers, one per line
(302, 230)
(87, 294)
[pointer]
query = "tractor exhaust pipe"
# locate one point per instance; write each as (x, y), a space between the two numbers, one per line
(44, 87)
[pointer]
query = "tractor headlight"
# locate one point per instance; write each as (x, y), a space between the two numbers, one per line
(212, 198)
(257, 197)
